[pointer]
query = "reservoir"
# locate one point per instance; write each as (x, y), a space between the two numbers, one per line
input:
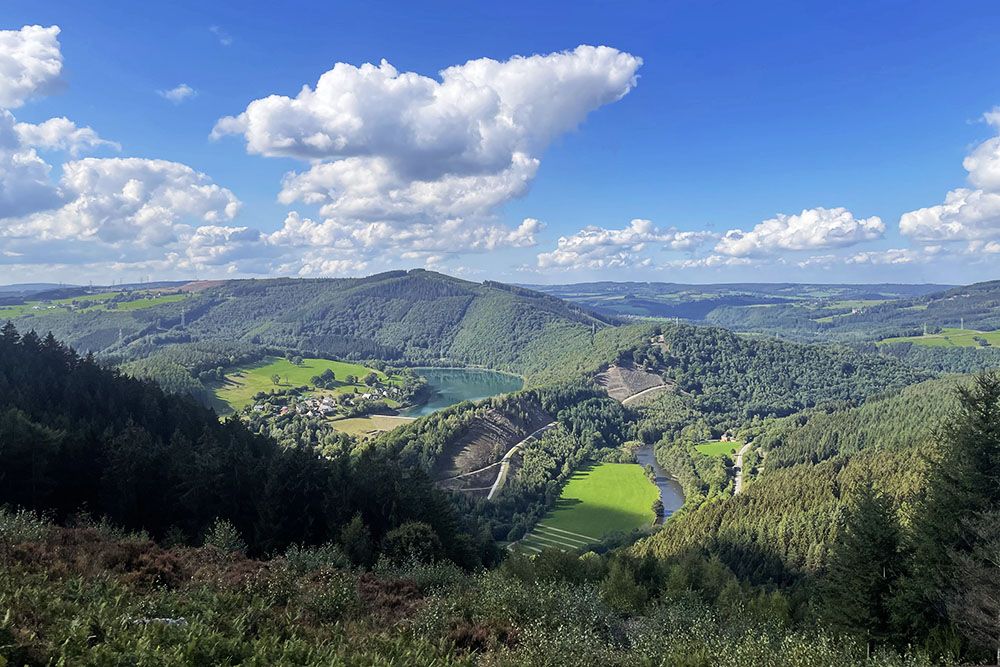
(454, 385)
(670, 491)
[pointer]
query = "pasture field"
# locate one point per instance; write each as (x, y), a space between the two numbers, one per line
(855, 303)
(718, 448)
(89, 303)
(949, 338)
(369, 424)
(240, 385)
(602, 499)
(140, 304)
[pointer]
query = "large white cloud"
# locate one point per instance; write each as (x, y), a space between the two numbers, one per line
(420, 163)
(25, 186)
(599, 248)
(967, 214)
(30, 64)
(473, 120)
(62, 134)
(812, 229)
(365, 190)
(332, 240)
(129, 207)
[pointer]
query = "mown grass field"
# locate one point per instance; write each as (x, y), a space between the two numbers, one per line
(949, 338)
(240, 385)
(599, 500)
(364, 426)
(718, 448)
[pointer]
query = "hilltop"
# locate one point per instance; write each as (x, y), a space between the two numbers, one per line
(406, 316)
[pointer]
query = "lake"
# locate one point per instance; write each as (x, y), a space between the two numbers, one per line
(670, 490)
(454, 385)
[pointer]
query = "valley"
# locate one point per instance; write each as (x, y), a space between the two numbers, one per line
(413, 420)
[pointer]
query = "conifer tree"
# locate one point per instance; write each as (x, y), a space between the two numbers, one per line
(863, 567)
(964, 482)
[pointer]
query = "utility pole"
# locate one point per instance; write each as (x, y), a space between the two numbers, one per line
(925, 328)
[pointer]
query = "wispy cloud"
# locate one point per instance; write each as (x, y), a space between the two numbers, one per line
(178, 94)
(224, 37)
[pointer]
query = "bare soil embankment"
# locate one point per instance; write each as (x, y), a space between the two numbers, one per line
(621, 382)
(472, 460)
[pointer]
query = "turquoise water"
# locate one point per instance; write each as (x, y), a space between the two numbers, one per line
(454, 385)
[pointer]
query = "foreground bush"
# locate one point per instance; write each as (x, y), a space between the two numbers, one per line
(86, 596)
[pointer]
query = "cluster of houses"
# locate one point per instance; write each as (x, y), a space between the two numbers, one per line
(328, 404)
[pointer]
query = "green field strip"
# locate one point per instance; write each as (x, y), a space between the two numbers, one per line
(568, 532)
(542, 530)
(535, 537)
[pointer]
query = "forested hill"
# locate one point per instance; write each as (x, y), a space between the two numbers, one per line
(731, 379)
(415, 315)
(782, 527)
(400, 315)
(76, 437)
(975, 306)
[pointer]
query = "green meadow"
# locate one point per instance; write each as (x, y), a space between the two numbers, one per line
(718, 448)
(949, 338)
(601, 499)
(239, 387)
(90, 303)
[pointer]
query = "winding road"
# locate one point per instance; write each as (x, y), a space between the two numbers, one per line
(505, 461)
(739, 468)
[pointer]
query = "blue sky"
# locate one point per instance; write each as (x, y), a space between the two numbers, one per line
(756, 141)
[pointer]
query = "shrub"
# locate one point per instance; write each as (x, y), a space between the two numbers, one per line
(22, 526)
(303, 560)
(223, 536)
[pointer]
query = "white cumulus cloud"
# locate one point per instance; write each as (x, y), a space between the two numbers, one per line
(423, 164)
(30, 64)
(61, 134)
(967, 214)
(599, 248)
(25, 186)
(128, 207)
(812, 229)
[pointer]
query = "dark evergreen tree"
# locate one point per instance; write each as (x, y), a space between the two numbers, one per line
(964, 482)
(356, 539)
(863, 568)
(974, 602)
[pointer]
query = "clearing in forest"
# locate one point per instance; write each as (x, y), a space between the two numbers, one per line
(718, 447)
(369, 424)
(241, 384)
(599, 500)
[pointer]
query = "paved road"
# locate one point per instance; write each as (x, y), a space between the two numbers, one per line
(505, 461)
(739, 467)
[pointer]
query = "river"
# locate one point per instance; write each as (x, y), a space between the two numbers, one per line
(670, 491)
(454, 385)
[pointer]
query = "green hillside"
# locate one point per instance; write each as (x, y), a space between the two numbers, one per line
(782, 526)
(413, 316)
